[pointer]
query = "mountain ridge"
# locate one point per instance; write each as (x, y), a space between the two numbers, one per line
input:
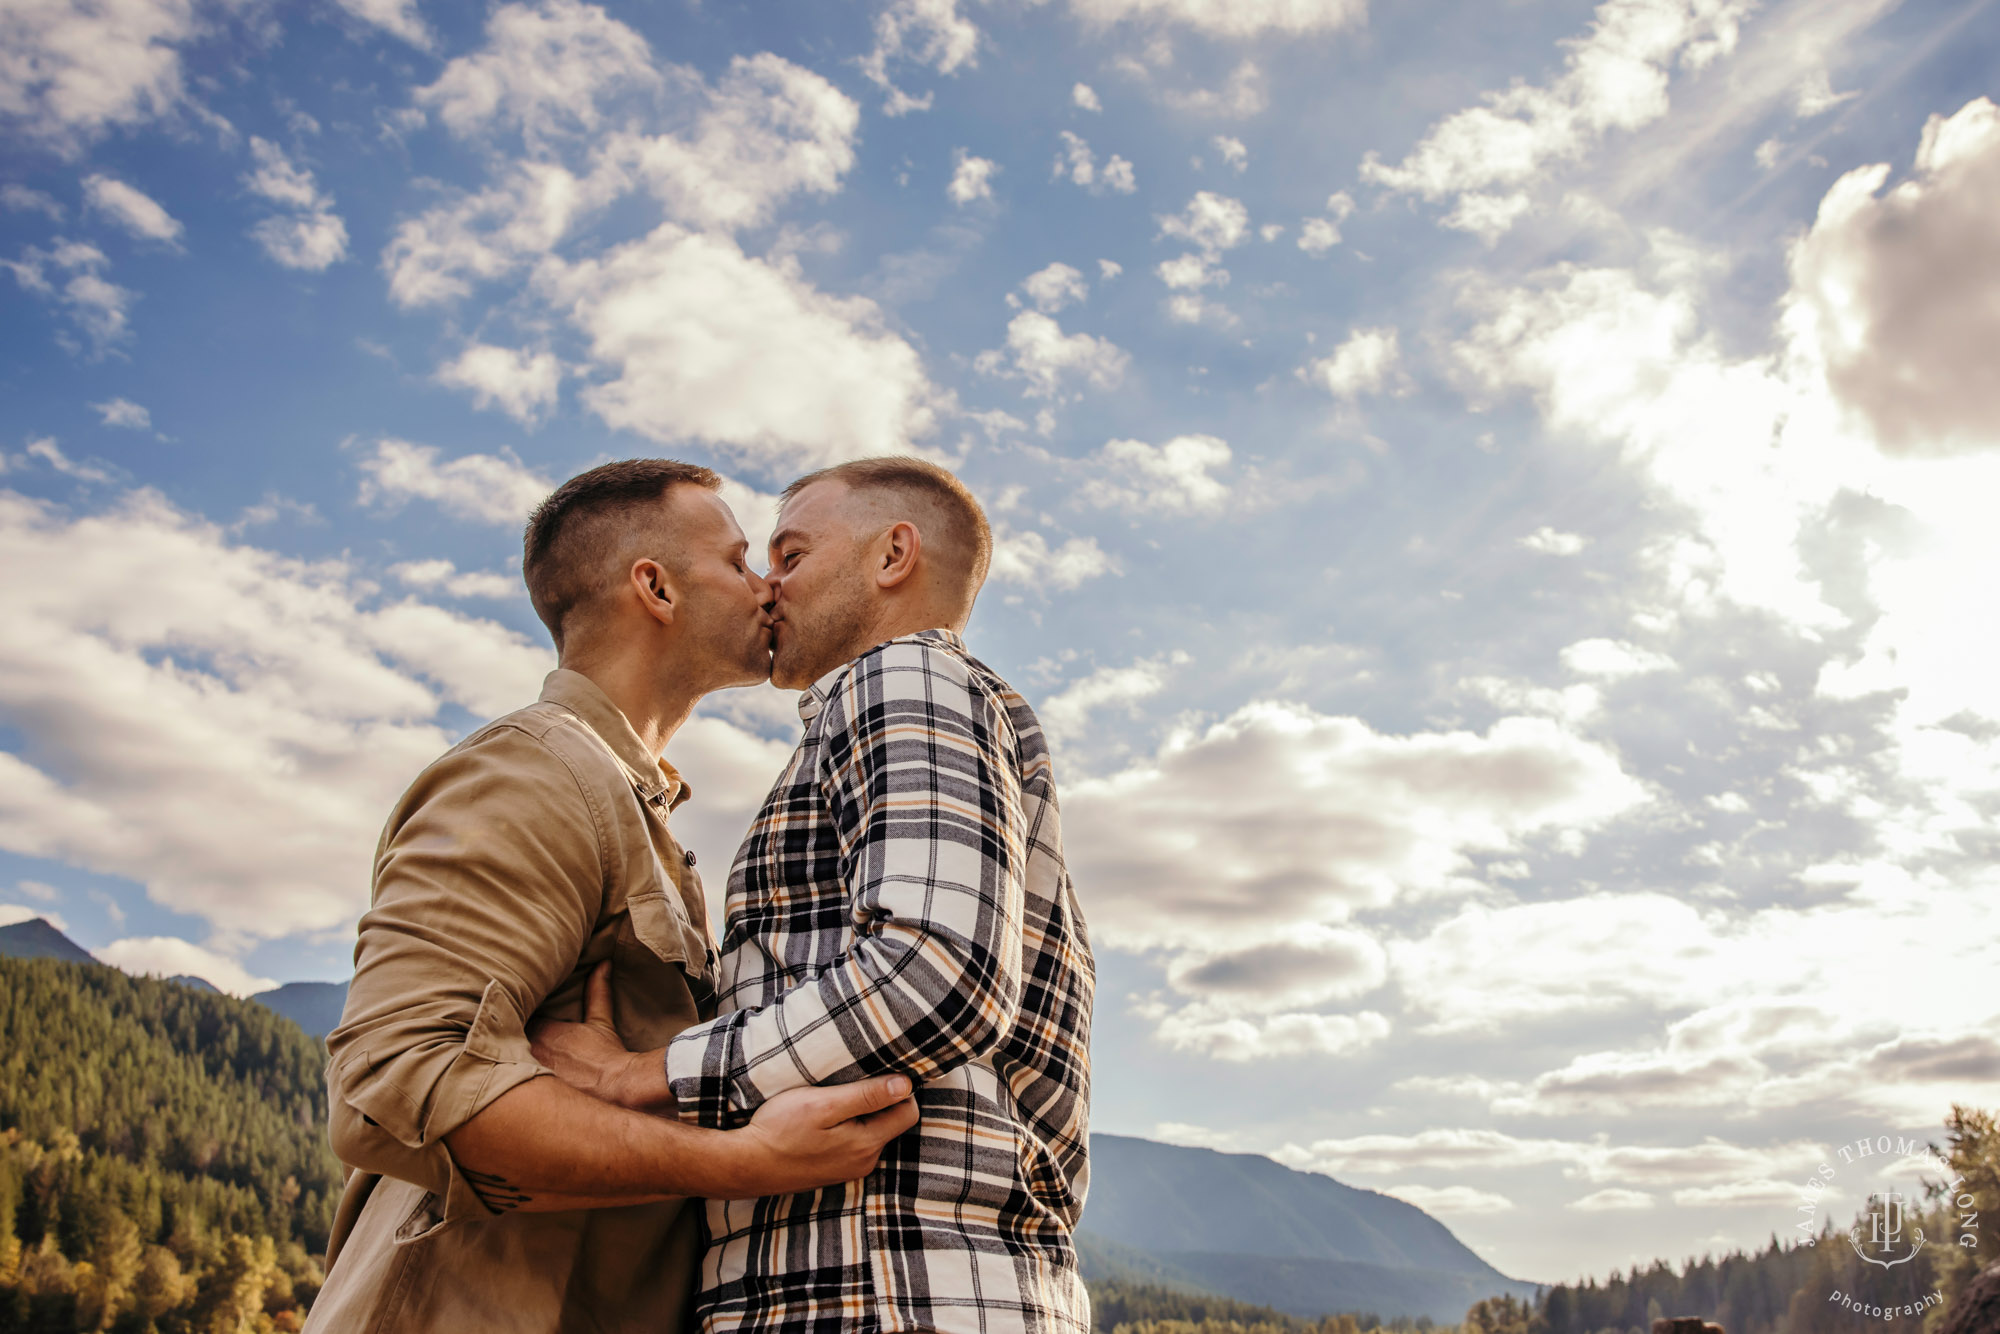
(313, 1006)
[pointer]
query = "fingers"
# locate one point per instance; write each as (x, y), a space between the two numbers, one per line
(846, 1102)
(890, 1122)
(598, 1007)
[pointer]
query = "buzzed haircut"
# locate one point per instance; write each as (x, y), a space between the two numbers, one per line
(963, 549)
(571, 554)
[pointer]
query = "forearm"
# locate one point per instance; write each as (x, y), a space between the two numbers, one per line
(901, 1002)
(544, 1146)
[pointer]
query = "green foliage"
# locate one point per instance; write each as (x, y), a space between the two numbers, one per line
(163, 1157)
(1135, 1308)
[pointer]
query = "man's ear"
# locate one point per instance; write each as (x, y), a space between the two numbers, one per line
(898, 552)
(653, 586)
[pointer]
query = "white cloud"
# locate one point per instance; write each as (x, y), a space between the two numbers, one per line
(233, 739)
(307, 234)
(1078, 162)
(770, 129)
(1108, 269)
(1612, 1199)
(1452, 1201)
(1229, 18)
(1201, 1137)
(1026, 559)
(1039, 352)
(928, 33)
(1054, 287)
(438, 575)
(1065, 714)
(310, 241)
(1895, 291)
(124, 412)
(132, 209)
(1319, 235)
(17, 198)
(1711, 1162)
(1084, 97)
(50, 453)
(99, 308)
(1366, 363)
(438, 255)
(1489, 966)
(1244, 93)
(541, 71)
(480, 487)
(1172, 478)
(971, 178)
(1277, 816)
(1192, 272)
(1613, 659)
(710, 344)
(1454, 1150)
(281, 181)
(1232, 151)
(1211, 221)
(398, 18)
(70, 72)
(756, 514)
(1615, 78)
(1236, 1037)
(523, 384)
(1552, 542)
(1760, 1194)
(170, 956)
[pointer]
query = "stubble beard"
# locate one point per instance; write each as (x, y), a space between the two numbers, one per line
(819, 637)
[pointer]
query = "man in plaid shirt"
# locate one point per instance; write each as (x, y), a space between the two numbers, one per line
(899, 906)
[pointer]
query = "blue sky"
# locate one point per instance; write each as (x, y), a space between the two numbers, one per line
(1492, 501)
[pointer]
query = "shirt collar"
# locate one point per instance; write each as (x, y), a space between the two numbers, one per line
(650, 774)
(813, 698)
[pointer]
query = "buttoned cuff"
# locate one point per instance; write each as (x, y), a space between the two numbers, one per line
(406, 1105)
(701, 1066)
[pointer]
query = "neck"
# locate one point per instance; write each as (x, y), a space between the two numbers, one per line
(655, 698)
(896, 622)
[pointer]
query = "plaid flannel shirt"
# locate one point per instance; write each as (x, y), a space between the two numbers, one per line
(900, 905)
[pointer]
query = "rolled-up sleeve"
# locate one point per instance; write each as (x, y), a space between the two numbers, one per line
(920, 783)
(487, 883)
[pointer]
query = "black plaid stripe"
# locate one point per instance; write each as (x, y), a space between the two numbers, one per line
(901, 905)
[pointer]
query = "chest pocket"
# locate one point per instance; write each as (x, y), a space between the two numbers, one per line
(657, 922)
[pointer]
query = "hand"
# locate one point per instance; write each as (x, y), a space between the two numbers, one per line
(806, 1138)
(591, 1058)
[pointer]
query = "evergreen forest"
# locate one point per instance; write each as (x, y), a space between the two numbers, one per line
(163, 1156)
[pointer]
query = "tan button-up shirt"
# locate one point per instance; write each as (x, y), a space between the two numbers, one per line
(528, 853)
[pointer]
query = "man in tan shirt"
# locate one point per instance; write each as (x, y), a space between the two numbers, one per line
(483, 1196)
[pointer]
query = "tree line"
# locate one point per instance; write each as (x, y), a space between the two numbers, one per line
(164, 1167)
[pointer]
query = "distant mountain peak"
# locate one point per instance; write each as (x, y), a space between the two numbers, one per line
(1246, 1226)
(37, 938)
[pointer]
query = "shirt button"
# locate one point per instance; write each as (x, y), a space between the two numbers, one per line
(689, 854)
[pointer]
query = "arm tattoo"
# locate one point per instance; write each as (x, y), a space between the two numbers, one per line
(497, 1192)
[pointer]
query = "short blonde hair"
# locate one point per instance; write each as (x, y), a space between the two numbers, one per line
(962, 540)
